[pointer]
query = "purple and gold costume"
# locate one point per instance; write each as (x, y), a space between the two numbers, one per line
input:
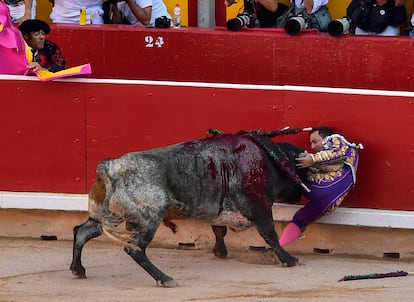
(329, 179)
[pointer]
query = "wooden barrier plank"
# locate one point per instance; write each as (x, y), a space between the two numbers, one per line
(383, 124)
(255, 56)
(43, 137)
(56, 133)
(149, 116)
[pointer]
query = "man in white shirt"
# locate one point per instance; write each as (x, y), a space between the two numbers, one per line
(143, 11)
(68, 11)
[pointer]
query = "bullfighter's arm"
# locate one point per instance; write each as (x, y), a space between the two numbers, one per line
(57, 61)
(335, 149)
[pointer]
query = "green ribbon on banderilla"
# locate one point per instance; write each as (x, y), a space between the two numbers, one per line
(376, 276)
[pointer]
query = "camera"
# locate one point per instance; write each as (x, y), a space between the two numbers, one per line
(294, 25)
(339, 26)
(162, 22)
(245, 19)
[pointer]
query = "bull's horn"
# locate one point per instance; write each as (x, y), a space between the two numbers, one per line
(305, 187)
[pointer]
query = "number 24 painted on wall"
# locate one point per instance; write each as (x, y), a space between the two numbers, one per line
(150, 42)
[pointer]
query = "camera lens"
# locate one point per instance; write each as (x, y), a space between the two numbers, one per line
(294, 25)
(338, 27)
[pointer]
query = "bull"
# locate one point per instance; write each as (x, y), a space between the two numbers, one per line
(228, 180)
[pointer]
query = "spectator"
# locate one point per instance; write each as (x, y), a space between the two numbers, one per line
(21, 10)
(68, 11)
(266, 11)
(142, 12)
(331, 175)
(46, 54)
(111, 13)
(411, 33)
(314, 12)
(377, 17)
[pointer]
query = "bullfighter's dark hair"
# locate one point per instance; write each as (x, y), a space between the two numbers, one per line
(323, 131)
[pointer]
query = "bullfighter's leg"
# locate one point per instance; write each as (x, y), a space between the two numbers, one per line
(324, 198)
(137, 250)
(267, 230)
(219, 248)
(82, 234)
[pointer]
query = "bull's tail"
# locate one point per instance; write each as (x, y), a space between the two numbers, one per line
(110, 227)
(110, 221)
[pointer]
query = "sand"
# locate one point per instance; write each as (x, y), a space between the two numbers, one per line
(38, 270)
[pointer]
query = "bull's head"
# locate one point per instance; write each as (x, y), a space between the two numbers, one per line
(292, 191)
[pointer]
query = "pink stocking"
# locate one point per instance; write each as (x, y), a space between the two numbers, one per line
(290, 233)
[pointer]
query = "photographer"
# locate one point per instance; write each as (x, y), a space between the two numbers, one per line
(377, 17)
(314, 12)
(266, 11)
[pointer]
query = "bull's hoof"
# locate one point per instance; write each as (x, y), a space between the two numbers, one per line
(78, 272)
(220, 252)
(169, 283)
(79, 275)
(292, 262)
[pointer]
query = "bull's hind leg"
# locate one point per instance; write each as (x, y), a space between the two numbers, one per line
(136, 248)
(81, 235)
(140, 257)
(267, 231)
(219, 248)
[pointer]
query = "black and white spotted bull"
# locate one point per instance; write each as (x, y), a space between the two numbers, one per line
(228, 180)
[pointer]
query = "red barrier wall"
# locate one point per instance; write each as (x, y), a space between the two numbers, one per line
(255, 56)
(55, 133)
(43, 137)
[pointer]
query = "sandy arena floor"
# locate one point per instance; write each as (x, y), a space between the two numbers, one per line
(36, 270)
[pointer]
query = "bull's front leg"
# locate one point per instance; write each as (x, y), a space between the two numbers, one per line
(81, 235)
(219, 248)
(267, 231)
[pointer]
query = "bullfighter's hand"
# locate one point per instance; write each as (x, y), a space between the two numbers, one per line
(35, 66)
(304, 162)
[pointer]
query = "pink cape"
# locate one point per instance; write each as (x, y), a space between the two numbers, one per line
(12, 45)
(73, 71)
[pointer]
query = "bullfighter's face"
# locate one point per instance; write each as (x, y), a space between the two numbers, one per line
(36, 39)
(316, 141)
